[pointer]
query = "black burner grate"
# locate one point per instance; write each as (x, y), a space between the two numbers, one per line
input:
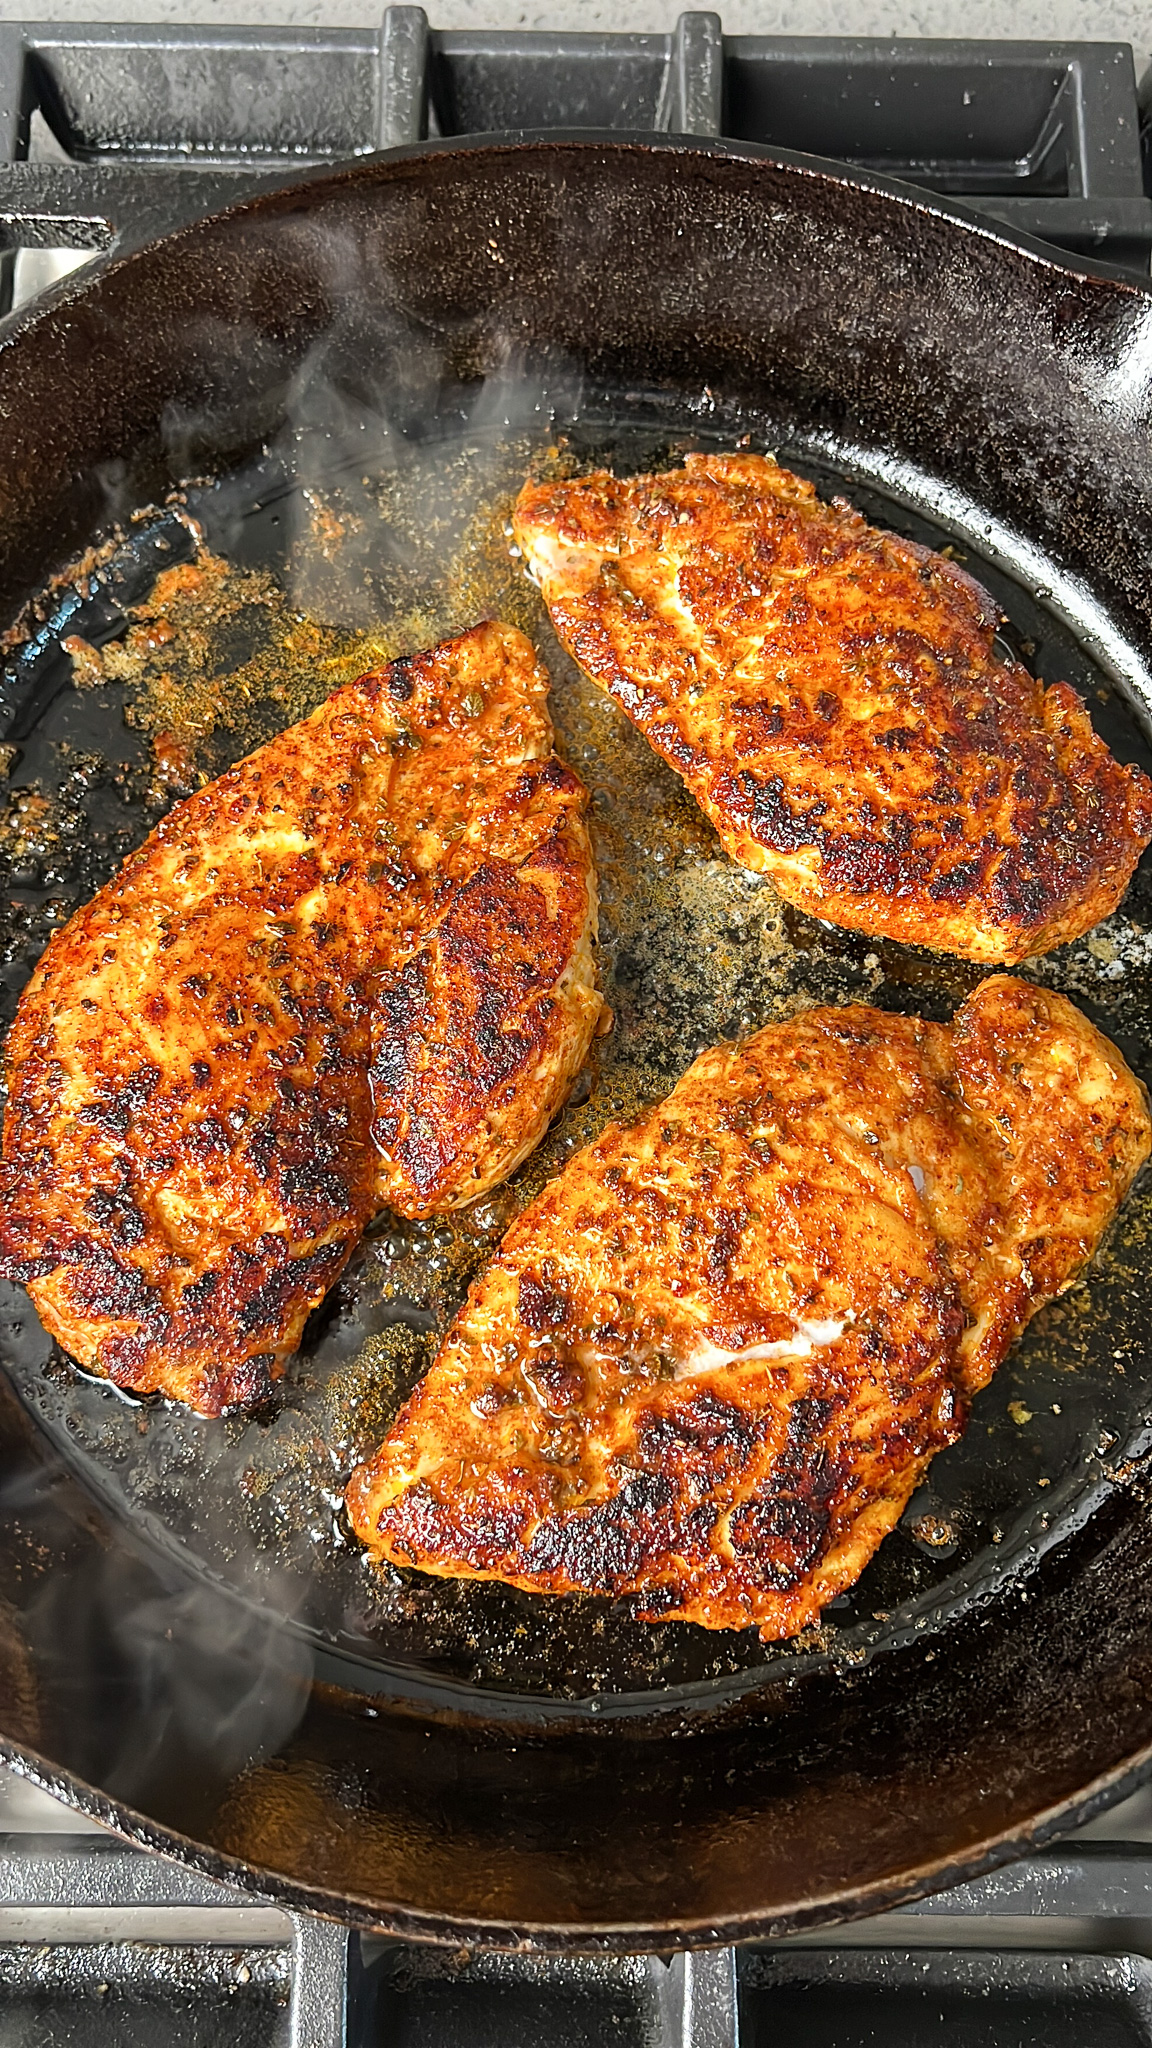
(156, 125)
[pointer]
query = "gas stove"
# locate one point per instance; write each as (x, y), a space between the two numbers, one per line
(107, 131)
(113, 134)
(103, 1944)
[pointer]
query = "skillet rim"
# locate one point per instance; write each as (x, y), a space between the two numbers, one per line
(410, 1924)
(126, 248)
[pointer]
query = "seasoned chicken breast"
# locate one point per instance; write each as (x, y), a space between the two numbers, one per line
(353, 973)
(714, 1357)
(832, 697)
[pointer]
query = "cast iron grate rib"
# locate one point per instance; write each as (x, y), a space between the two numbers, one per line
(152, 126)
(956, 1967)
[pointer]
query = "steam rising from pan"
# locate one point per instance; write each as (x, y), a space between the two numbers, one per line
(158, 1670)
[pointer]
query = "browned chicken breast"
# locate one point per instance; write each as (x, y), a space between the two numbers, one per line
(354, 972)
(831, 696)
(714, 1357)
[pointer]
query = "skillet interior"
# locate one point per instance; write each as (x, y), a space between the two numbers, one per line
(692, 951)
(395, 422)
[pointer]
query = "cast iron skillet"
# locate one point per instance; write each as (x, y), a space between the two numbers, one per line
(479, 1767)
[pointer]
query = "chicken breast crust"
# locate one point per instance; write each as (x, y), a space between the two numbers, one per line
(832, 697)
(353, 973)
(713, 1359)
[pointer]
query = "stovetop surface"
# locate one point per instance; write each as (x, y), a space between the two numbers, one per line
(100, 1943)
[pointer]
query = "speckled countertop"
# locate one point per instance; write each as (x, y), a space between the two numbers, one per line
(1128, 21)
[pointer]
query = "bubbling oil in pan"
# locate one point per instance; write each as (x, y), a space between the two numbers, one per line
(204, 627)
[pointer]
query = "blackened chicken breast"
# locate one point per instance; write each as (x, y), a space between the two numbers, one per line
(355, 972)
(713, 1359)
(832, 696)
